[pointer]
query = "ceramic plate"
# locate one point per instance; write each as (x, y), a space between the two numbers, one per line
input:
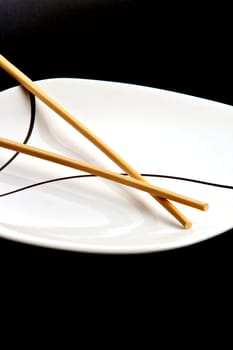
(158, 132)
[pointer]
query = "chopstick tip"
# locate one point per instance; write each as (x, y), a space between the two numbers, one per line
(187, 225)
(206, 207)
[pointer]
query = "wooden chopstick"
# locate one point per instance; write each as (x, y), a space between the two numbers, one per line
(43, 96)
(110, 175)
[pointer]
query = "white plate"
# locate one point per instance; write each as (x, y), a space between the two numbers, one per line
(158, 132)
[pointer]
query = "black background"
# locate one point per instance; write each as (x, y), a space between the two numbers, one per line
(181, 48)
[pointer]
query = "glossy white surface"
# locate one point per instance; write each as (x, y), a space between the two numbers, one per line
(158, 132)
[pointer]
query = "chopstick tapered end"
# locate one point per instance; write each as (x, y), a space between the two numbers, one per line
(206, 206)
(187, 225)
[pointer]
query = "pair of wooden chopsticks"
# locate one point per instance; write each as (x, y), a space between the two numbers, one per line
(135, 180)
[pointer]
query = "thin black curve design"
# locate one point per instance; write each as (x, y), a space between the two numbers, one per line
(32, 122)
(30, 129)
(89, 175)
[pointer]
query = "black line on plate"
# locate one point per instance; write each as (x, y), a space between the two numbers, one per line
(89, 175)
(229, 187)
(29, 132)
